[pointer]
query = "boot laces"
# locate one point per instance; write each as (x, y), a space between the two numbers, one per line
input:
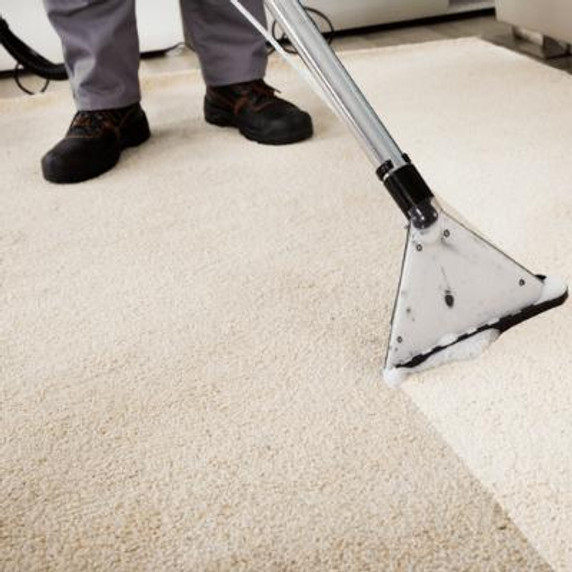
(89, 123)
(258, 91)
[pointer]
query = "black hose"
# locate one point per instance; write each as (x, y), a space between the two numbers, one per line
(17, 78)
(29, 59)
(313, 13)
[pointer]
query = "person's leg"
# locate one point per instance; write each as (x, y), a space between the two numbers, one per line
(229, 48)
(233, 59)
(101, 53)
(101, 50)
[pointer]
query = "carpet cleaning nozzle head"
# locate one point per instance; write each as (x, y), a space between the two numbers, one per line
(457, 294)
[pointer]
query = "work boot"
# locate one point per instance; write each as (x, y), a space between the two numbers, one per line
(94, 142)
(259, 115)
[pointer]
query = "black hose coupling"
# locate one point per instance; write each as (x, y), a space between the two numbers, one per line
(411, 193)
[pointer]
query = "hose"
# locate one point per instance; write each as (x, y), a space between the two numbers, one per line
(27, 58)
(315, 15)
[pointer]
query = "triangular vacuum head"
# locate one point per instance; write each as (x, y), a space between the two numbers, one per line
(456, 294)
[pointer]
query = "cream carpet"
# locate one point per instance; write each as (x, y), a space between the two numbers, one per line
(191, 344)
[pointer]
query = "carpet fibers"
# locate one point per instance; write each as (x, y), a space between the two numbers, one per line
(191, 345)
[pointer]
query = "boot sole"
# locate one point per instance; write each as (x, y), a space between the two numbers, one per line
(223, 118)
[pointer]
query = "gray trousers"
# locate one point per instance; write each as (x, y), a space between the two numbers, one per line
(101, 46)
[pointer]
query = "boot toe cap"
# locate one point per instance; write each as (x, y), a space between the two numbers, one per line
(290, 127)
(77, 160)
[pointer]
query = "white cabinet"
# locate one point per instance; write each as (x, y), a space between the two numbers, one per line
(548, 17)
(347, 14)
(359, 13)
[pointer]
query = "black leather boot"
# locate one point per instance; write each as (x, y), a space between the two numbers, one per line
(94, 142)
(259, 115)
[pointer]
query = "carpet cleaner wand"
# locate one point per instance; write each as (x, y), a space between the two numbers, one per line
(457, 292)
